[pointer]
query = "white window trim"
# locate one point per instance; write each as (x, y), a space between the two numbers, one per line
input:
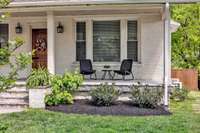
(75, 38)
(123, 35)
(138, 39)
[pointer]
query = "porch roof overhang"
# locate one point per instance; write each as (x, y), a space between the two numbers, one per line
(32, 3)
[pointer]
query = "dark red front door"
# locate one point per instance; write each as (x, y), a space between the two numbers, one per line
(39, 45)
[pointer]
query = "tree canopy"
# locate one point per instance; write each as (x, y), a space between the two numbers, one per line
(186, 41)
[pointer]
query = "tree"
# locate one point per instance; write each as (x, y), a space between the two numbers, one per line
(16, 62)
(186, 41)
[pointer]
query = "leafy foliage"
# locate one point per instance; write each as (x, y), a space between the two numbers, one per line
(146, 96)
(63, 86)
(16, 62)
(186, 41)
(58, 97)
(179, 94)
(38, 77)
(104, 95)
(58, 94)
(71, 81)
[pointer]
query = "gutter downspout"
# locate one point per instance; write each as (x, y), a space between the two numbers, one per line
(167, 47)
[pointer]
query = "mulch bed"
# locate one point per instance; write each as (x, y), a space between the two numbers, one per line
(121, 109)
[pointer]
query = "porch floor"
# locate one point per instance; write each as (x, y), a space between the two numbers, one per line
(121, 82)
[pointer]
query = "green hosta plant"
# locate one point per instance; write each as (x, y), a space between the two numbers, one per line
(104, 95)
(71, 81)
(60, 97)
(58, 94)
(146, 96)
(38, 77)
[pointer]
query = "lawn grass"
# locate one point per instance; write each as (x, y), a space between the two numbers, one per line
(183, 120)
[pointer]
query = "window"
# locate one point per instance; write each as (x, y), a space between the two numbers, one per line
(106, 41)
(132, 43)
(80, 41)
(3, 35)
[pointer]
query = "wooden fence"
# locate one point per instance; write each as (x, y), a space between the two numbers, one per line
(189, 77)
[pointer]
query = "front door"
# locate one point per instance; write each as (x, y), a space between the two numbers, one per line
(39, 46)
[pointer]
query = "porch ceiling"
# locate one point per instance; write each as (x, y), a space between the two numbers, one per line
(88, 12)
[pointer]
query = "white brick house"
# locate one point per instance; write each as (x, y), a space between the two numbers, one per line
(137, 29)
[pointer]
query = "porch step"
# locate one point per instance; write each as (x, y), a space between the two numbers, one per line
(122, 88)
(85, 95)
(13, 102)
(11, 95)
(14, 99)
(4, 110)
(17, 89)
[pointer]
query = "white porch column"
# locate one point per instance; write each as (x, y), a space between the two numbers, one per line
(167, 47)
(123, 46)
(51, 42)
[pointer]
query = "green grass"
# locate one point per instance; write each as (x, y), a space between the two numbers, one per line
(183, 120)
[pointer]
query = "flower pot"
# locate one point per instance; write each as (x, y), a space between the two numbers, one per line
(37, 96)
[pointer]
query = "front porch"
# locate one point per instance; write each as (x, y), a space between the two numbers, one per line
(86, 36)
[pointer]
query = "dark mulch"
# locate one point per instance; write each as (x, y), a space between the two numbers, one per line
(124, 109)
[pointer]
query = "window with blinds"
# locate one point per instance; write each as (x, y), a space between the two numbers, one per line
(80, 41)
(106, 41)
(3, 35)
(132, 43)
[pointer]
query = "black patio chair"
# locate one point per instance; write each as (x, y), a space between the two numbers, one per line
(125, 69)
(86, 68)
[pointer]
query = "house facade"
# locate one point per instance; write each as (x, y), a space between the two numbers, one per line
(106, 31)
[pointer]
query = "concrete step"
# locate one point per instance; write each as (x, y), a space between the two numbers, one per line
(18, 90)
(20, 83)
(4, 110)
(10, 95)
(13, 102)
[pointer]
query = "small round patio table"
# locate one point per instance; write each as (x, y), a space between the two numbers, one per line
(107, 72)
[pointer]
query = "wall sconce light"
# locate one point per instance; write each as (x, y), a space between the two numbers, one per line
(18, 28)
(60, 28)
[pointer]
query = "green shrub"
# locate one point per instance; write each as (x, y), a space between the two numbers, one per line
(63, 86)
(146, 96)
(179, 94)
(71, 81)
(104, 95)
(62, 97)
(38, 77)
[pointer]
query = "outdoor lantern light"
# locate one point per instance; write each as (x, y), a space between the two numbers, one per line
(60, 28)
(18, 28)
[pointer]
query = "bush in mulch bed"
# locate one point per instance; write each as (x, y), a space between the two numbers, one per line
(118, 109)
(179, 94)
(146, 96)
(104, 102)
(104, 95)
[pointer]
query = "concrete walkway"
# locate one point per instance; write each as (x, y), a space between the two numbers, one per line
(196, 104)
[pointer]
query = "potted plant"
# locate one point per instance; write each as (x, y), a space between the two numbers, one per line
(37, 83)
